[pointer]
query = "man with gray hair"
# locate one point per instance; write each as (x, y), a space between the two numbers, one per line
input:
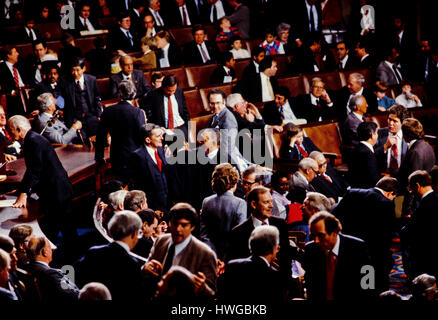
(123, 122)
(48, 124)
(358, 106)
(299, 183)
(46, 177)
(253, 278)
(354, 87)
(94, 291)
(5, 293)
(112, 264)
(135, 200)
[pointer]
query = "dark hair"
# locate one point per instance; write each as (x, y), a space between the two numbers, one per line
(198, 27)
(66, 39)
(6, 243)
(156, 75)
(365, 130)
(78, 61)
(399, 111)
(169, 80)
(84, 4)
(331, 223)
(216, 91)
(266, 63)
(421, 177)
(388, 184)
(147, 215)
(254, 195)
(138, 3)
(225, 57)
(37, 42)
(19, 233)
(146, 130)
(412, 129)
(283, 91)
(275, 178)
(184, 210)
(256, 51)
(47, 66)
(99, 42)
(122, 15)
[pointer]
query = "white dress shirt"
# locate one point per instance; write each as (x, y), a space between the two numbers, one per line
(288, 114)
(31, 33)
(181, 12)
(204, 47)
(220, 12)
(177, 120)
(10, 67)
(266, 94)
(151, 152)
(164, 61)
(158, 20)
(399, 148)
(257, 223)
(89, 25)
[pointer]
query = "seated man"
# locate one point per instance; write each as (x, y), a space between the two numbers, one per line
(85, 21)
(282, 110)
(150, 223)
(358, 106)
(5, 291)
(200, 50)
(168, 54)
(50, 126)
(296, 145)
(224, 73)
(52, 283)
(299, 183)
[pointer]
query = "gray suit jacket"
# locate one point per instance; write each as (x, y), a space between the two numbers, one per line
(298, 187)
(219, 215)
(196, 257)
(386, 74)
(226, 120)
(240, 19)
(57, 133)
(349, 130)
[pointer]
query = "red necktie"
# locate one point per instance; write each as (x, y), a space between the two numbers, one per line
(393, 163)
(331, 268)
(326, 177)
(6, 133)
(170, 113)
(159, 162)
(303, 152)
(17, 82)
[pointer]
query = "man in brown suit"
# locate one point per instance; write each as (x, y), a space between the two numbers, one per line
(181, 248)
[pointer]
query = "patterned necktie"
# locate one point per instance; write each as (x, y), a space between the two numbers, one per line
(331, 268)
(393, 163)
(85, 24)
(159, 162)
(397, 75)
(185, 20)
(170, 114)
(16, 80)
(303, 152)
(169, 259)
(203, 53)
(128, 34)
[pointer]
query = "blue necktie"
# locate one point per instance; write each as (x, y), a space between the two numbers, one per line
(130, 38)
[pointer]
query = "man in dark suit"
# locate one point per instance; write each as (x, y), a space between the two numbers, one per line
(85, 22)
(420, 228)
(137, 14)
(391, 147)
(216, 9)
(317, 105)
(252, 69)
(358, 106)
(257, 280)
(169, 53)
(160, 16)
(344, 60)
(420, 155)
(147, 168)
(224, 73)
(355, 87)
(181, 248)
(306, 19)
(369, 214)
(122, 38)
(281, 109)
(12, 81)
(183, 13)
(363, 167)
(166, 106)
(53, 285)
(46, 177)
(328, 182)
(333, 262)
(259, 205)
(82, 99)
(33, 62)
(28, 33)
(112, 264)
(150, 223)
(51, 83)
(6, 294)
(129, 73)
(260, 87)
(366, 60)
(123, 121)
(200, 50)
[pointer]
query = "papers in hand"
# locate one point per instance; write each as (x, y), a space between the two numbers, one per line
(6, 203)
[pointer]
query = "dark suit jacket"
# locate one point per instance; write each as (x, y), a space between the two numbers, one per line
(335, 189)
(23, 37)
(292, 153)
(305, 60)
(7, 84)
(174, 55)
(419, 231)
(341, 99)
(250, 70)
(121, 41)
(193, 56)
(80, 27)
(154, 105)
(251, 279)
(219, 74)
(113, 266)
(363, 167)
(419, 157)
(251, 87)
(175, 19)
(143, 174)
(140, 82)
(368, 63)
(370, 216)
(311, 112)
(52, 283)
(196, 257)
(271, 114)
(44, 174)
(143, 247)
(351, 64)
(72, 112)
(123, 121)
(382, 157)
(239, 247)
(353, 255)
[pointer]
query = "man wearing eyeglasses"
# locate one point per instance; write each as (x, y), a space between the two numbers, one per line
(299, 184)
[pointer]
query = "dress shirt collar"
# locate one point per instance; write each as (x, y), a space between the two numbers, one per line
(123, 245)
(368, 145)
(363, 58)
(211, 155)
(344, 61)
(359, 116)
(81, 82)
(151, 152)
(166, 47)
(48, 114)
(264, 77)
(359, 93)
(381, 191)
(181, 246)
(147, 52)
(426, 194)
(256, 222)
(127, 77)
(256, 66)
(226, 69)
(136, 12)
(264, 259)
(335, 249)
(313, 99)
(410, 144)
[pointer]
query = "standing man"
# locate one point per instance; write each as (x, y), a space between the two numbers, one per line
(358, 106)
(344, 60)
(281, 110)
(122, 38)
(123, 122)
(46, 177)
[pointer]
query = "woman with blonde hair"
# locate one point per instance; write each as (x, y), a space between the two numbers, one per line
(223, 210)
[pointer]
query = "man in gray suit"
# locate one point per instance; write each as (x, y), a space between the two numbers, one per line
(181, 248)
(388, 70)
(358, 106)
(240, 17)
(299, 184)
(55, 131)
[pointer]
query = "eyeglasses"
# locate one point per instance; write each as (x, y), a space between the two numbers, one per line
(248, 183)
(322, 164)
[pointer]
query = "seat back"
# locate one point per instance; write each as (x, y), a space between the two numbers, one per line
(179, 72)
(199, 76)
(182, 35)
(103, 85)
(239, 66)
(326, 136)
(332, 80)
(226, 88)
(282, 62)
(295, 85)
(194, 103)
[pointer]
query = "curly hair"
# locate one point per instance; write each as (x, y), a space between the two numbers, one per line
(224, 177)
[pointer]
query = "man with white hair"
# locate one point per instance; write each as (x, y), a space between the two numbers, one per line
(46, 177)
(299, 183)
(94, 291)
(5, 293)
(112, 264)
(55, 130)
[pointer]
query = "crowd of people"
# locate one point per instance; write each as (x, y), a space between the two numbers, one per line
(202, 218)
